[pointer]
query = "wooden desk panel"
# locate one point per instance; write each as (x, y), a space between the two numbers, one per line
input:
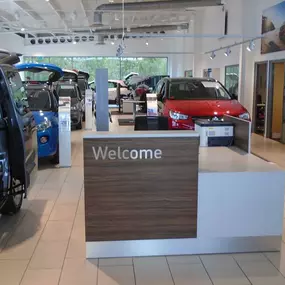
(142, 199)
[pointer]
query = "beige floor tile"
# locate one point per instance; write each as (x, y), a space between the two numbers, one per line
(152, 271)
(262, 273)
(183, 259)
(66, 197)
(76, 246)
(189, 274)
(81, 208)
(251, 257)
(57, 231)
(49, 255)
(41, 277)
(116, 275)
(115, 261)
(41, 207)
(79, 272)
(223, 270)
(12, 271)
(63, 212)
(274, 257)
(48, 194)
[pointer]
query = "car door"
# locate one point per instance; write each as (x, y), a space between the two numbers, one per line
(26, 119)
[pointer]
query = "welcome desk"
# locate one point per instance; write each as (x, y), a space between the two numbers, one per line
(158, 193)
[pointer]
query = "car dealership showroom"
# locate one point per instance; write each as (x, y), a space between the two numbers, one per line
(142, 142)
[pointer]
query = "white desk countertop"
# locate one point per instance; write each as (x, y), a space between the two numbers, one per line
(140, 134)
(223, 159)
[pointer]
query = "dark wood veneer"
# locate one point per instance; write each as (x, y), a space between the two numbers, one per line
(142, 199)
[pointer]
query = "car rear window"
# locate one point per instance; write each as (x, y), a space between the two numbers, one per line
(67, 91)
(39, 100)
(197, 90)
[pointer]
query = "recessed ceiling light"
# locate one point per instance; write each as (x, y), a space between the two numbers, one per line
(112, 43)
(74, 42)
(146, 43)
(23, 29)
(47, 0)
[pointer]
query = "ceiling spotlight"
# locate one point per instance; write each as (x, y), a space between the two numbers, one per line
(47, 0)
(146, 43)
(227, 52)
(213, 55)
(111, 1)
(112, 43)
(23, 29)
(251, 46)
(74, 42)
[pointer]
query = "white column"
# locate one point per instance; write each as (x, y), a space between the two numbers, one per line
(242, 73)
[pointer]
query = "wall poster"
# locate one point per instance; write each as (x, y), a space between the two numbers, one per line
(273, 29)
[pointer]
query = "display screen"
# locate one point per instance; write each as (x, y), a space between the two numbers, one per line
(198, 90)
(39, 100)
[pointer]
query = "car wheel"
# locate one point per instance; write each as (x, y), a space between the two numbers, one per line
(79, 125)
(55, 158)
(14, 202)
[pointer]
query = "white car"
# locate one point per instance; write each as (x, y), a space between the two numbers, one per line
(112, 89)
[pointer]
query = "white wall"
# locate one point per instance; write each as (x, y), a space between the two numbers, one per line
(12, 43)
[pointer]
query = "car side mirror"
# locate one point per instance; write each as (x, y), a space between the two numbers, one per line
(235, 96)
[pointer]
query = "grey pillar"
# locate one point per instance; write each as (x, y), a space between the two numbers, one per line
(102, 108)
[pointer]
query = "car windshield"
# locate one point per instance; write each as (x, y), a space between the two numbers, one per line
(198, 90)
(39, 100)
(67, 91)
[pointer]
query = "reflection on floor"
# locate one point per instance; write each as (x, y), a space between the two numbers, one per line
(44, 244)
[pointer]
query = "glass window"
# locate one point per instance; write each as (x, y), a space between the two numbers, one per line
(197, 90)
(39, 100)
(232, 79)
(188, 73)
(112, 85)
(18, 91)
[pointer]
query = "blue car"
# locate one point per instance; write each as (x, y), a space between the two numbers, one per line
(43, 103)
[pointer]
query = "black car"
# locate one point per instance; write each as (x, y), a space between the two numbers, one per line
(71, 89)
(18, 137)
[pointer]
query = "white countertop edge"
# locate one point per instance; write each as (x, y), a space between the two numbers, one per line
(139, 134)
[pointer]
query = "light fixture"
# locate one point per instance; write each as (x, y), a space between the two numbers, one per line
(251, 46)
(23, 29)
(146, 43)
(74, 42)
(47, 0)
(227, 52)
(213, 55)
(112, 43)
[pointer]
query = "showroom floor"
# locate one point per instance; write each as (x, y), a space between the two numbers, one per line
(44, 245)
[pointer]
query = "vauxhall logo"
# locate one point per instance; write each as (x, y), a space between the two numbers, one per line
(103, 153)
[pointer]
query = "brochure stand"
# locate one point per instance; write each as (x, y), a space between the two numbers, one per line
(88, 109)
(64, 132)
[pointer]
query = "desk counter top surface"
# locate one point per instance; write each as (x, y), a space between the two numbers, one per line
(223, 159)
(138, 134)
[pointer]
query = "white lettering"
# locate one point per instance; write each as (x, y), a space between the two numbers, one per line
(125, 152)
(134, 154)
(113, 154)
(146, 154)
(157, 154)
(100, 153)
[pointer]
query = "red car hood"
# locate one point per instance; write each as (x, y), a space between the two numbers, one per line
(206, 107)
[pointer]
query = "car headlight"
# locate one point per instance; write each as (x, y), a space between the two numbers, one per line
(44, 125)
(177, 116)
(244, 116)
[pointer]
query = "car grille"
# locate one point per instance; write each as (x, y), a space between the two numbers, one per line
(210, 118)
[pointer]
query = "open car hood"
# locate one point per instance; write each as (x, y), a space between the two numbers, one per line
(69, 75)
(7, 57)
(55, 72)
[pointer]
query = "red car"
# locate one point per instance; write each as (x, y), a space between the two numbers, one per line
(183, 100)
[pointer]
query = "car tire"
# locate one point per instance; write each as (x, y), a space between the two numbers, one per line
(13, 204)
(55, 159)
(79, 125)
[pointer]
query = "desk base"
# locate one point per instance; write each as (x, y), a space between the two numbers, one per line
(112, 249)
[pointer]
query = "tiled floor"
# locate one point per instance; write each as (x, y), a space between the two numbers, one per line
(44, 245)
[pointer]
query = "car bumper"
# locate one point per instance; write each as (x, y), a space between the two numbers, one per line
(48, 148)
(181, 125)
